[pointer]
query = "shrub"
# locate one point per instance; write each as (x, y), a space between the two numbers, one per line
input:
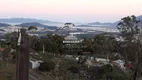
(47, 66)
(73, 69)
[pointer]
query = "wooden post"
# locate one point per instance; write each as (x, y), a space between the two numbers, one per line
(22, 56)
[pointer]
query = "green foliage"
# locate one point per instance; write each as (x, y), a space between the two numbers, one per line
(115, 57)
(11, 39)
(47, 66)
(105, 69)
(74, 69)
(103, 41)
(65, 65)
(107, 72)
(110, 72)
(117, 76)
(129, 27)
(94, 71)
(32, 28)
(2, 65)
(52, 43)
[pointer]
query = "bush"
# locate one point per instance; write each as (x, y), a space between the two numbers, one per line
(47, 66)
(32, 28)
(73, 69)
(113, 73)
(93, 71)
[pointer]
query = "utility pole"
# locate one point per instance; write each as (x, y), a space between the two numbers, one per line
(43, 51)
(22, 56)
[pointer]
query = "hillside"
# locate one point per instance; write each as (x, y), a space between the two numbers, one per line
(139, 17)
(37, 25)
(24, 20)
(109, 24)
(4, 25)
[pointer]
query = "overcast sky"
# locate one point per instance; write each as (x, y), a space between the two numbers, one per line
(71, 10)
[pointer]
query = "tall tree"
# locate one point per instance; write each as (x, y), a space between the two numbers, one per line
(32, 28)
(103, 41)
(130, 27)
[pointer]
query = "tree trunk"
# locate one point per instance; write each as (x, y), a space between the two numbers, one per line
(137, 63)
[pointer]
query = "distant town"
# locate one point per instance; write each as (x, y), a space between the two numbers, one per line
(32, 49)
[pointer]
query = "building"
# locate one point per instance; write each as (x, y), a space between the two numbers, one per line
(72, 45)
(34, 64)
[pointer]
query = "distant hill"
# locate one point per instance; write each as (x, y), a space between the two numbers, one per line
(139, 17)
(111, 25)
(98, 23)
(24, 20)
(105, 24)
(37, 25)
(84, 25)
(4, 25)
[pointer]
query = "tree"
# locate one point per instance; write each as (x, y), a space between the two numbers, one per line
(52, 43)
(11, 39)
(103, 41)
(129, 28)
(47, 66)
(74, 69)
(32, 28)
(69, 24)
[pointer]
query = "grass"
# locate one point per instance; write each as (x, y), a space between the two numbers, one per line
(7, 71)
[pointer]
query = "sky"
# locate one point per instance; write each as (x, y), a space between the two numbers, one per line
(71, 10)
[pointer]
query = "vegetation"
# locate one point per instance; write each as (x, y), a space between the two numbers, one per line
(51, 43)
(67, 69)
(32, 28)
(73, 69)
(107, 72)
(47, 66)
(130, 31)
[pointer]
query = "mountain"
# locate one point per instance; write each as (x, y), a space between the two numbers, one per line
(24, 20)
(139, 17)
(98, 23)
(4, 25)
(84, 25)
(109, 25)
(37, 25)
(104, 24)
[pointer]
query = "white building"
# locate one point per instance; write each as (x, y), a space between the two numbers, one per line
(35, 64)
(102, 60)
(72, 39)
(71, 44)
(119, 63)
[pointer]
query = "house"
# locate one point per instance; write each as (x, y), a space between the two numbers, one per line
(35, 64)
(69, 56)
(119, 63)
(102, 60)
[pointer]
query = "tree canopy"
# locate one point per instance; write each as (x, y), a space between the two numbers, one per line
(130, 28)
(32, 28)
